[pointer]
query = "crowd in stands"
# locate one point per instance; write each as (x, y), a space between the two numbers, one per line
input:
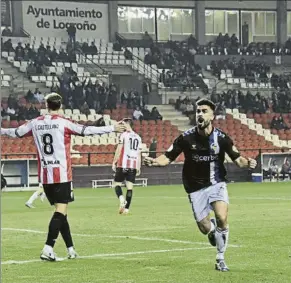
(250, 70)
(25, 109)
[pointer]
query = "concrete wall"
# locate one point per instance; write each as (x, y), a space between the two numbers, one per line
(181, 4)
(243, 4)
(83, 176)
(233, 4)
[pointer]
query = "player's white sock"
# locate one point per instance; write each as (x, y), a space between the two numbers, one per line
(212, 227)
(42, 196)
(221, 236)
(71, 249)
(33, 197)
(121, 199)
(48, 249)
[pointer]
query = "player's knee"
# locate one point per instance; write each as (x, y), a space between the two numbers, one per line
(204, 226)
(221, 220)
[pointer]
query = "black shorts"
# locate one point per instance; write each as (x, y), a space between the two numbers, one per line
(59, 193)
(123, 174)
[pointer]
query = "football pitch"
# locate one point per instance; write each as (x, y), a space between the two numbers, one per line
(157, 242)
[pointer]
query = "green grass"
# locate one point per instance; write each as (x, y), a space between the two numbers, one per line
(259, 219)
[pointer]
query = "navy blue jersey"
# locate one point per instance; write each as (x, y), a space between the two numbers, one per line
(204, 157)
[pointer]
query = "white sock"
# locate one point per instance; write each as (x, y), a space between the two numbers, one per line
(121, 199)
(71, 249)
(33, 197)
(48, 249)
(221, 236)
(212, 227)
(42, 196)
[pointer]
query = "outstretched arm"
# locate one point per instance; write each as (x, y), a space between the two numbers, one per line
(170, 155)
(24, 130)
(78, 129)
(162, 160)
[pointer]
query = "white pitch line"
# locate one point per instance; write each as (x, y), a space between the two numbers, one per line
(120, 237)
(112, 255)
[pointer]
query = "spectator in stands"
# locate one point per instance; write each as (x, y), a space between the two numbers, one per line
(137, 114)
(146, 37)
(71, 30)
(178, 103)
(53, 55)
(63, 56)
(84, 109)
(112, 97)
(38, 96)
(6, 31)
(7, 46)
(275, 123)
(192, 41)
(146, 113)
(31, 69)
(22, 113)
(286, 169)
(12, 102)
(189, 109)
(153, 148)
(155, 115)
(32, 112)
(281, 123)
(123, 97)
(146, 90)
(19, 52)
(274, 171)
(128, 54)
(11, 112)
(117, 46)
(92, 49)
(220, 112)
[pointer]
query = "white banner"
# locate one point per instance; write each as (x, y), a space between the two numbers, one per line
(51, 19)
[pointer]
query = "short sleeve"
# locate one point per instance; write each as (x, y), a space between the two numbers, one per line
(230, 149)
(175, 149)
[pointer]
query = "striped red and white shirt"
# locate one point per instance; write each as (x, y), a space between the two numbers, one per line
(52, 137)
(131, 150)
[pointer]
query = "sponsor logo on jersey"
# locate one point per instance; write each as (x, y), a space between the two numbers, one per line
(51, 162)
(205, 158)
(194, 146)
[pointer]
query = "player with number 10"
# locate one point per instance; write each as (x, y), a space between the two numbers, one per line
(126, 164)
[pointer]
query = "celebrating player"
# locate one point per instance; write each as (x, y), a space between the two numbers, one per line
(126, 165)
(52, 137)
(37, 194)
(204, 175)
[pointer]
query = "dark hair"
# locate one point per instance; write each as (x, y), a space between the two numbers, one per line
(204, 101)
(54, 101)
(128, 121)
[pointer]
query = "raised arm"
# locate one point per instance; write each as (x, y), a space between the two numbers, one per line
(24, 130)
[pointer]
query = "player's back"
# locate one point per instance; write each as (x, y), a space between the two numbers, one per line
(131, 149)
(53, 140)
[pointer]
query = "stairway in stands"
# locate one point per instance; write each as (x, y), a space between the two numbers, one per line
(271, 137)
(176, 117)
(20, 82)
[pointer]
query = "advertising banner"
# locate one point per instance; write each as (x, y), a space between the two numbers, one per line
(52, 18)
